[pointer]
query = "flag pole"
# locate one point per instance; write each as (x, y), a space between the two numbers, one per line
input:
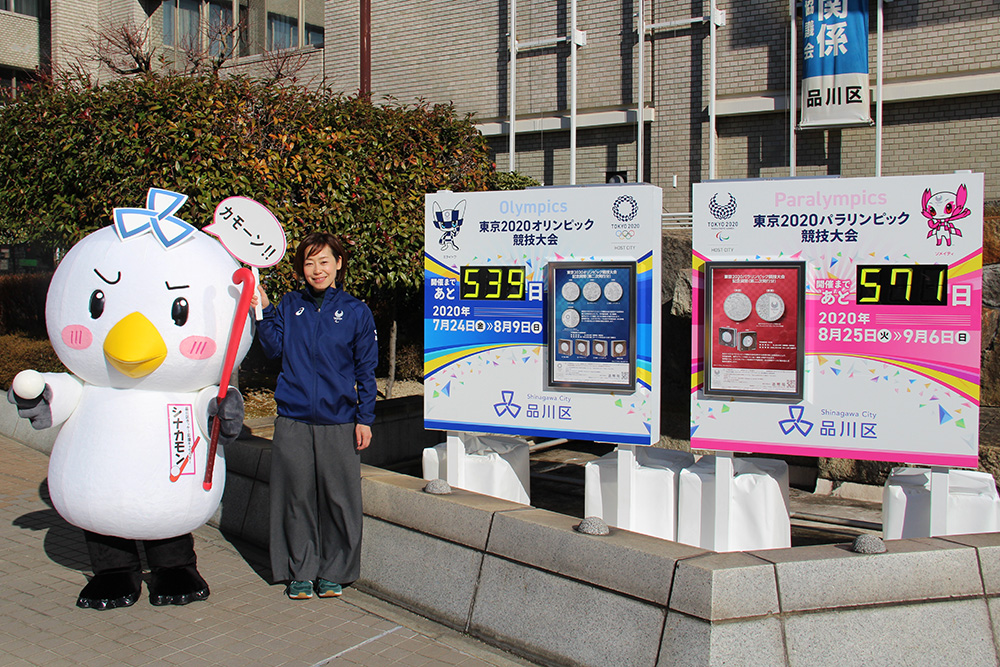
(793, 68)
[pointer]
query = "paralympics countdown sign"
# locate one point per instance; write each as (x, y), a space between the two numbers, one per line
(542, 312)
(839, 317)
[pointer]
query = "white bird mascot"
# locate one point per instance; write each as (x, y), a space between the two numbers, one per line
(140, 313)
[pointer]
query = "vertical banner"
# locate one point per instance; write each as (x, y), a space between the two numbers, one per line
(835, 58)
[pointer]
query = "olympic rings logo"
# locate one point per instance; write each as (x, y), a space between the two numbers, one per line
(625, 234)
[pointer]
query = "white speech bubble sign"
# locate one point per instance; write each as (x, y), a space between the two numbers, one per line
(249, 231)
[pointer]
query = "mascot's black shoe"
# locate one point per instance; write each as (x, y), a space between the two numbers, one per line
(176, 585)
(110, 591)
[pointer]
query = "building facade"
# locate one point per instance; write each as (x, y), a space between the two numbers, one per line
(941, 109)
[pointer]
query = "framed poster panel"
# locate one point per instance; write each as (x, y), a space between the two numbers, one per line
(755, 329)
(592, 315)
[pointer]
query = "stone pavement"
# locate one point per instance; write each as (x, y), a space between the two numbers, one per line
(246, 621)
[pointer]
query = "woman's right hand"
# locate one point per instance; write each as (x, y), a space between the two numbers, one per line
(259, 297)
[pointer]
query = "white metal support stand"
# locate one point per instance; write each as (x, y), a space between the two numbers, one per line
(640, 139)
(626, 486)
(880, 23)
(456, 459)
(575, 39)
(939, 501)
(512, 83)
(572, 93)
(723, 499)
(716, 18)
(793, 84)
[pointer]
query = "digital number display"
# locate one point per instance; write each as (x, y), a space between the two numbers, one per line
(903, 285)
(492, 283)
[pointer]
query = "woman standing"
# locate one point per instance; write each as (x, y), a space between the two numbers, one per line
(326, 405)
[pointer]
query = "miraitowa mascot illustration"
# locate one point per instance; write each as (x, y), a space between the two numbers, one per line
(143, 313)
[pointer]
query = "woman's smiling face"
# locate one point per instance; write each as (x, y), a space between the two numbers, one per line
(320, 269)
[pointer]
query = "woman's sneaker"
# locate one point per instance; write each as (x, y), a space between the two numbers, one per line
(299, 590)
(328, 589)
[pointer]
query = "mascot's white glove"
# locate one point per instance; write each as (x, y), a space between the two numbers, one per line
(230, 411)
(33, 398)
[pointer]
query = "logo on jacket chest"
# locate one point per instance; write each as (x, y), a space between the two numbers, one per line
(338, 315)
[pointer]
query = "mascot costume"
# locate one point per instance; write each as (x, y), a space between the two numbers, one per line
(142, 314)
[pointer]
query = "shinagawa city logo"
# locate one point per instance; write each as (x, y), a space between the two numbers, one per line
(795, 422)
(507, 405)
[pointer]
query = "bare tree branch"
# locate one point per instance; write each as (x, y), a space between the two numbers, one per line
(125, 49)
(128, 49)
(284, 63)
(220, 45)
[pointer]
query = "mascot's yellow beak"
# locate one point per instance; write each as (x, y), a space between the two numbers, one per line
(134, 346)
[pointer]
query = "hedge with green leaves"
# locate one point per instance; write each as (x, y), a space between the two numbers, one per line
(70, 153)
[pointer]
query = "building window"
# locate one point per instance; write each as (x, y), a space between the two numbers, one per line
(7, 80)
(248, 29)
(197, 25)
(27, 7)
(181, 19)
(282, 32)
(314, 21)
(13, 81)
(314, 35)
(284, 18)
(220, 27)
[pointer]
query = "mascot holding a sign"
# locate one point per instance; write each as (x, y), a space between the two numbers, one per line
(139, 313)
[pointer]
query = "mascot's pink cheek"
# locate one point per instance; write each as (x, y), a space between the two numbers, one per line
(197, 347)
(77, 336)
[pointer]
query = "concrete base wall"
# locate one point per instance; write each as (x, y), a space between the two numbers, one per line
(524, 579)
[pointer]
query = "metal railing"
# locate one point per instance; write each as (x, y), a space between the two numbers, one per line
(677, 220)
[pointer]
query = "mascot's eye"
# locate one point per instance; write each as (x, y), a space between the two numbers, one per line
(179, 311)
(96, 304)
(947, 208)
(931, 210)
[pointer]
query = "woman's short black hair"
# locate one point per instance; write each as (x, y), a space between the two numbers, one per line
(314, 243)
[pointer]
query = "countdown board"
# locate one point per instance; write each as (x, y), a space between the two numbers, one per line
(839, 317)
(542, 312)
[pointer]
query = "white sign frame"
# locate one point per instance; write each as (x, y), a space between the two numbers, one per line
(883, 382)
(486, 381)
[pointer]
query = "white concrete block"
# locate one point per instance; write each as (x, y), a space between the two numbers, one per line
(973, 503)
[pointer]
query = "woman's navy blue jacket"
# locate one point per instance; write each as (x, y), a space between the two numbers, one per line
(326, 352)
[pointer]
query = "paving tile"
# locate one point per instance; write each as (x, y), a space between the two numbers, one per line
(245, 622)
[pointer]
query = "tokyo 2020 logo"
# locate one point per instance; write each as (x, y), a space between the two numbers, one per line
(722, 211)
(625, 208)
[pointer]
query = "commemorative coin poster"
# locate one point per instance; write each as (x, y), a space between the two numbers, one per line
(754, 329)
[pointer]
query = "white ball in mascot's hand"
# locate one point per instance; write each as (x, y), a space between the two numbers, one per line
(28, 384)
